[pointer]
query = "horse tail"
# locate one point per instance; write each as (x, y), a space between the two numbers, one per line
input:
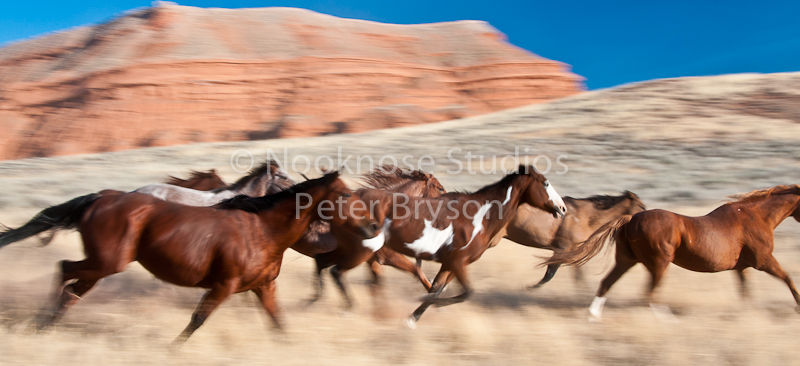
(579, 254)
(63, 216)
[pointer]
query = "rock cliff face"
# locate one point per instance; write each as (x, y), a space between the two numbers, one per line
(174, 75)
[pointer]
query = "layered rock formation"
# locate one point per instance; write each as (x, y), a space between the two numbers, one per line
(173, 75)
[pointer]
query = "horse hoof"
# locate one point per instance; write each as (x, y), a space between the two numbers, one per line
(411, 323)
(797, 309)
(595, 319)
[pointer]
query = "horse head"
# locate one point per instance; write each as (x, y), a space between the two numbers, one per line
(540, 193)
(349, 211)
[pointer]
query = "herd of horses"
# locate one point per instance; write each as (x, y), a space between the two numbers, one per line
(230, 238)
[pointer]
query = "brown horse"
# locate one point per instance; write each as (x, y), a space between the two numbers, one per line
(233, 247)
(537, 229)
(454, 229)
(734, 236)
(321, 244)
(201, 181)
(267, 178)
(319, 240)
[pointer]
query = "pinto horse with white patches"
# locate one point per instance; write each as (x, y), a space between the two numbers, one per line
(734, 236)
(321, 244)
(453, 229)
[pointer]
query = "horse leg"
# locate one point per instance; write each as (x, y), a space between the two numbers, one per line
(266, 293)
(210, 301)
(320, 262)
(70, 295)
(772, 267)
(578, 277)
(622, 265)
(336, 273)
(657, 269)
(743, 284)
(345, 264)
(460, 272)
(397, 260)
(551, 271)
(439, 282)
(86, 273)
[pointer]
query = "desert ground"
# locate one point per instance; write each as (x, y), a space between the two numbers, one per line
(680, 144)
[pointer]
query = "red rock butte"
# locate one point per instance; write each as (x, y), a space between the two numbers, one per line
(173, 74)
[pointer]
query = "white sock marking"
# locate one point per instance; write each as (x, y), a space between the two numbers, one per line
(596, 309)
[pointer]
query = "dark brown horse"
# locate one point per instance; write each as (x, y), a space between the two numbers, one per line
(735, 236)
(267, 178)
(535, 228)
(319, 240)
(201, 181)
(454, 229)
(233, 247)
(321, 244)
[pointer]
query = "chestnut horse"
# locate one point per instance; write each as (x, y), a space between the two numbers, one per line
(734, 236)
(318, 238)
(268, 178)
(538, 229)
(454, 229)
(233, 247)
(321, 244)
(201, 181)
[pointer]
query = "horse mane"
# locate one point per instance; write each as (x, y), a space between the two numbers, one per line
(503, 182)
(606, 202)
(764, 193)
(259, 170)
(258, 204)
(194, 174)
(388, 177)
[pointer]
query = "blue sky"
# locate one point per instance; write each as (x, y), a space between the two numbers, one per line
(609, 42)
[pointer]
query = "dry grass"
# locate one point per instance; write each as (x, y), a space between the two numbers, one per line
(681, 146)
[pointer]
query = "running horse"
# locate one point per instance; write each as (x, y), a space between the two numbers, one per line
(454, 229)
(735, 236)
(320, 244)
(267, 178)
(233, 247)
(537, 229)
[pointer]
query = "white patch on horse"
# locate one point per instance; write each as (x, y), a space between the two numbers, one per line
(432, 239)
(553, 195)
(596, 309)
(508, 195)
(377, 242)
(477, 221)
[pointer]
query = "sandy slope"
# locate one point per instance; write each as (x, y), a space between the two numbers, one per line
(681, 144)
